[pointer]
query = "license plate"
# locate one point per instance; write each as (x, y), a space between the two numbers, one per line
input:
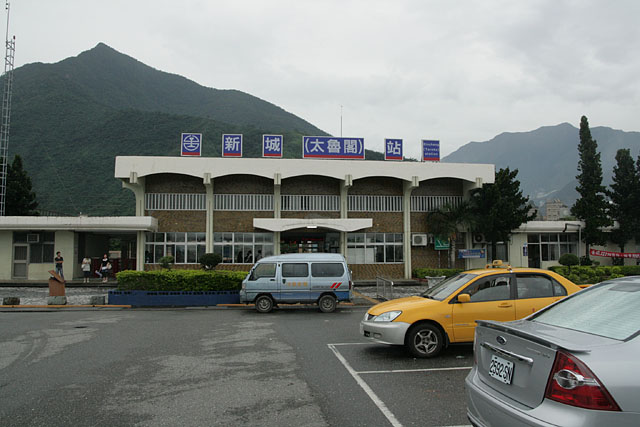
(501, 369)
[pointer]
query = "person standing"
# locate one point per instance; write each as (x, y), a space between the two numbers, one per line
(104, 268)
(86, 268)
(59, 260)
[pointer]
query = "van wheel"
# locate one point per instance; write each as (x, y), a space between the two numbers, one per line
(264, 304)
(327, 303)
(424, 340)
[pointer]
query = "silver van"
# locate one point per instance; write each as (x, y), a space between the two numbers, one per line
(319, 278)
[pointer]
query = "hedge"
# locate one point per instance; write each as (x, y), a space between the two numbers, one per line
(421, 273)
(591, 274)
(180, 280)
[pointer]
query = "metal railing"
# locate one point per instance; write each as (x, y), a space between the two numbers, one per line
(386, 286)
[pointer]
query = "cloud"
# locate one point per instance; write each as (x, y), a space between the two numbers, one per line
(454, 71)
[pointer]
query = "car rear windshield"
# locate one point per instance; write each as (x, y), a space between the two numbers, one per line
(448, 286)
(609, 310)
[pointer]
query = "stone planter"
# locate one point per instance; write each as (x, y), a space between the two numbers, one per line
(173, 298)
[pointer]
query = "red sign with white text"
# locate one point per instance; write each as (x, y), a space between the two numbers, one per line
(609, 254)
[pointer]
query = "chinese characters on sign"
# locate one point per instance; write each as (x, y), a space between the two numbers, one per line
(597, 252)
(272, 145)
(328, 147)
(472, 253)
(392, 149)
(191, 144)
(430, 151)
(232, 145)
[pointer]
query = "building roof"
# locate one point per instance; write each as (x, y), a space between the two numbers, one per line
(141, 166)
(80, 223)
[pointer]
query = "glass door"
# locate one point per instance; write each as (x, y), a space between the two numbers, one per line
(20, 257)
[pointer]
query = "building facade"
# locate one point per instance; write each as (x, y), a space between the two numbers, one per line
(373, 212)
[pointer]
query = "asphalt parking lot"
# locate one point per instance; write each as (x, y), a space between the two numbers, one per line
(294, 366)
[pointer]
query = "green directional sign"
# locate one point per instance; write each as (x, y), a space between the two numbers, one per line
(441, 243)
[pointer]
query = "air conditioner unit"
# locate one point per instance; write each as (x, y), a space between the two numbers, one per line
(419, 240)
(478, 238)
(33, 238)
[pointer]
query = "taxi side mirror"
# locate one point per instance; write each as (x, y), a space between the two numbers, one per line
(464, 298)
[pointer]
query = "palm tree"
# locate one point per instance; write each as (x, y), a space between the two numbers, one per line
(448, 220)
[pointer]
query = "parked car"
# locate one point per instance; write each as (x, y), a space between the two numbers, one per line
(572, 364)
(447, 313)
(321, 278)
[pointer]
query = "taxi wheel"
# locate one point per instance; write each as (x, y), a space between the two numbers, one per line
(327, 304)
(424, 340)
(264, 304)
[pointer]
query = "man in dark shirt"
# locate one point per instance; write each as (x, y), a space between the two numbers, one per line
(58, 259)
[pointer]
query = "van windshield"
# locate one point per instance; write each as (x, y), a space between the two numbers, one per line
(448, 286)
(265, 269)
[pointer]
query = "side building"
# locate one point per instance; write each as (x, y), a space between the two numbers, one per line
(373, 212)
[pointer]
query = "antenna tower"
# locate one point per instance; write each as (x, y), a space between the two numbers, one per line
(6, 114)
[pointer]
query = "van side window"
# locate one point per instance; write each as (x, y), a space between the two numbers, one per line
(327, 269)
(295, 269)
(267, 269)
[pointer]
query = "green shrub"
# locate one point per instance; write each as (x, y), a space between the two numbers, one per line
(209, 261)
(569, 260)
(166, 262)
(583, 275)
(180, 280)
(421, 273)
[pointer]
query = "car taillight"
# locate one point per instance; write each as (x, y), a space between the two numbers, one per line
(572, 383)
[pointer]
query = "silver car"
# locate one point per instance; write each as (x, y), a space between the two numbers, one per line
(574, 363)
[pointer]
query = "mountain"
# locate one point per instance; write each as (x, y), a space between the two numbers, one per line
(547, 158)
(70, 119)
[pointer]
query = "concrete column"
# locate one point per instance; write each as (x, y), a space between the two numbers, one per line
(136, 185)
(407, 188)
(208, 185)
(345, 184)
(277, 210)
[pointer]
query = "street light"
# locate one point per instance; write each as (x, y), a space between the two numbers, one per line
(579, 225)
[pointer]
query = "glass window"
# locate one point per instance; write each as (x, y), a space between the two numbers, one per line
(327, 269)
(267, 269)
(295, 270)
(493, 288)
(609, 310)
(534, 286)
(558, 289)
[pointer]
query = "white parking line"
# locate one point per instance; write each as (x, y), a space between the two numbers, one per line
(374, 397)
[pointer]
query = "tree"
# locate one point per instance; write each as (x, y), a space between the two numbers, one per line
(500, 208)
(447, 221)
(624, 201)
(20, 199)
(591, 206)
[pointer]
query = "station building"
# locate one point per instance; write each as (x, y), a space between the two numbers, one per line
(373, 212)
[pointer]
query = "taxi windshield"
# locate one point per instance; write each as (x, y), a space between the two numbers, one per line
(448, 286)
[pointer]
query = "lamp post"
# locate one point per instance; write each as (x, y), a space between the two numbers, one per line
(579, 225)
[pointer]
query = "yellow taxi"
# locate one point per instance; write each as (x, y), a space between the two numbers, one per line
(447, 312)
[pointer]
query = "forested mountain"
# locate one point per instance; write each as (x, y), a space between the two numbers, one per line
(70, 119)
(547, 158)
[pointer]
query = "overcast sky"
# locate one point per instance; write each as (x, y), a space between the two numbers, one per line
(456, 71)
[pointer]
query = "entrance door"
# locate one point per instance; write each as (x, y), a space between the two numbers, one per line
(20, 257)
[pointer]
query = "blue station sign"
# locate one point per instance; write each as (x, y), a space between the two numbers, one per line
(272, 145)
(331, 147)
(392, 149)
(430, 150)
(232, 145)
(191, 144)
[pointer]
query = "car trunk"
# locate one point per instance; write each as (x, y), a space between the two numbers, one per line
(516, 358)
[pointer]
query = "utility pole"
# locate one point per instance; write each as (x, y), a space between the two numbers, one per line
(10, 50)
